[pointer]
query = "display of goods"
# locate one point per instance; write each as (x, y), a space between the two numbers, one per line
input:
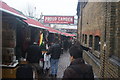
(7, 55)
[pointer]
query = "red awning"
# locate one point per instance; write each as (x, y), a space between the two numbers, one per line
(5, 8)
(53, 30)
(68, 34)
(34, 23)
(72, 35)
(31, 22)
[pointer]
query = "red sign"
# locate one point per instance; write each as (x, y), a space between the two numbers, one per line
(59, 19)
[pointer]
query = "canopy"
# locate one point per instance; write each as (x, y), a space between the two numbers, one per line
(68, 34)
(31, 22)
(34, 23)
(5, 8)
(53, 30)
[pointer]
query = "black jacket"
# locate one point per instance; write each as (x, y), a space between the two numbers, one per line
(78, 69)
(24, 71)
(34, 54)
(55, 51)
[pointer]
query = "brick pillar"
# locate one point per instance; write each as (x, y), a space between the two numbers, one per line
(103, 41)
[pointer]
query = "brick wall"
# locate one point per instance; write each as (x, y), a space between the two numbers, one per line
(103, 20)
(93, 20)
(112, 63)
(92, 60)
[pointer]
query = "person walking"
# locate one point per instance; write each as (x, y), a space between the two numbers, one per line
(77, 68)
(54, 51)
(46, 63)
(65, 44)
(31, 70)
(34, 54)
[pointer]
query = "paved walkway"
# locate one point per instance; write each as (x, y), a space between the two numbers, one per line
(64, 62)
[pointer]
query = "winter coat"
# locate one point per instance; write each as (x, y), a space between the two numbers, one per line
(55, 51)
(34, 54)
(78, 69)
(24, 71)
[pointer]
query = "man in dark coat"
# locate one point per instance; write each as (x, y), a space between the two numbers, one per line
(66, 44)
(55, 51)
(77, 68)
(34, 53)
(24, 71)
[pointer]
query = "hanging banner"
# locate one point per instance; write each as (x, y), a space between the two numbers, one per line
(59, 19)
(41, 39)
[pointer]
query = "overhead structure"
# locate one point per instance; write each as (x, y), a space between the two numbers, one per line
(59, 19)
(51, 30)
(7, 9)
(68, 34)
(31, 22)
(34, 23)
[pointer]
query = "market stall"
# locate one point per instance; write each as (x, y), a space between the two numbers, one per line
(10, 21)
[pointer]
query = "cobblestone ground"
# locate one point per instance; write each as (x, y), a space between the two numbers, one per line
(64, 62)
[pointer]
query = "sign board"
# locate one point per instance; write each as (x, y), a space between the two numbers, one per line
(59, 19)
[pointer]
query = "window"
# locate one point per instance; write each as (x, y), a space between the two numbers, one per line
(90, 40)
(97, 43)
(85, 39)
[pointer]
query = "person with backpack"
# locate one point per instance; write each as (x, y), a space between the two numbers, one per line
(78, 68)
